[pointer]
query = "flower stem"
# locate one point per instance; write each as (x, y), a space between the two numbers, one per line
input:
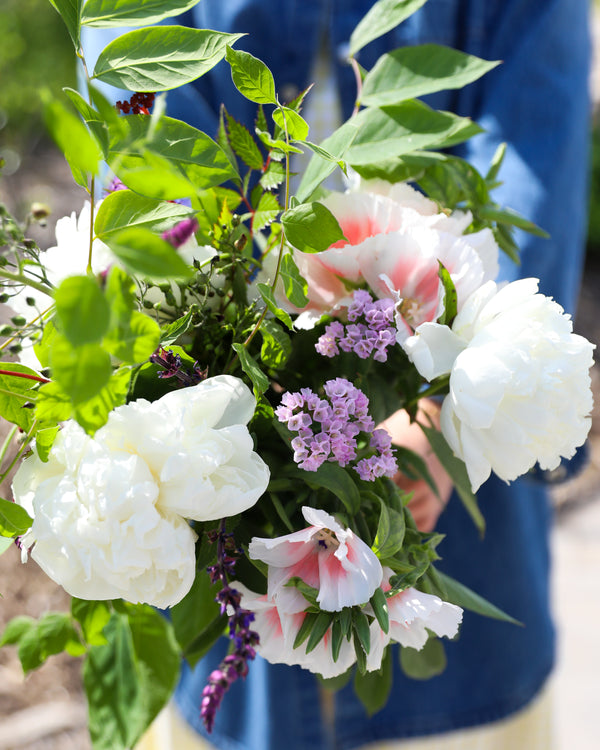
(20, 278)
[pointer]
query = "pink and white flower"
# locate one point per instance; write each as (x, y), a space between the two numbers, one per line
(331, 559)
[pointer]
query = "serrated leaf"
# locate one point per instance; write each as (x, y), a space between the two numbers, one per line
(102, 14)
(123, 209)
(259, 380)
(266, 212)
(176, 329)
(269, 298)
(251, 77)
(273, 176)
(14, 520)
(383, 16)
(244, 144)
(411, 72)
(161, 58)
(311, 227)
(82, 312)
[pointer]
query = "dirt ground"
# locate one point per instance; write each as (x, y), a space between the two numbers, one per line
(46, 711)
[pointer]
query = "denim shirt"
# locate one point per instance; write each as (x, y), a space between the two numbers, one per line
(537, 102)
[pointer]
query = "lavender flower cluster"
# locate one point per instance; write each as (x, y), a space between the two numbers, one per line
(370, 332)
(327, 429)
(235, 665)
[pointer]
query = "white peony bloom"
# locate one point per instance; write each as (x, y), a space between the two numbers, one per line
(519, 380)
(109, 511)
(325, 556)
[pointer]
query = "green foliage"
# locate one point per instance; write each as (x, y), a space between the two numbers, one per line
(311, 227)
(14, 520)
(429, 662)
(383, 16)
(110, 13)
(251, 77)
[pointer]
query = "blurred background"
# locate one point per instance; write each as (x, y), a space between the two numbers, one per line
(46, 711)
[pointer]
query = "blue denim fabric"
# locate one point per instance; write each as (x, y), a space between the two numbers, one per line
(536, 102)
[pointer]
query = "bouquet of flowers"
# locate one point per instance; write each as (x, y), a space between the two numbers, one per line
(207, 360)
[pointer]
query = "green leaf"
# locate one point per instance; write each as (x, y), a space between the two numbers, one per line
(44, 440)
(380, 608)
(82, 312)
(92, 414)
(70, 12)
(259, 380)
(292, 122)
(295, 285)
(102, 14)
(429, 662)
(266, 212)
(450, 296)
(168, 150)
(130, 678)
(320, 627)
(318, 168)
(14, 520)
(459, 594)
(93, 119)
(134, 341)
(360, 624)
(205, 640)
(52, 634)
(508, 216)
(496, 163)
(13, 394)
(15, 630)
(457, 472)
(93, 617)
(273, 176)
(383, 16)
(390, 532)
(73, 138)
(373, 688)
(80, 372)
(123, 209)
(196, 611)
(305, 629)
(174, 330)
(387, 132)
(161, 58)
(334, 478)
(311, 227)
(276, 347)
(52, 404)
(269, 298)
(411, 72)
(244, 144)
(251, 77)
(144, 253)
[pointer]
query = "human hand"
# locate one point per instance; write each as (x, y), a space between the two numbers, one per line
(425, 505)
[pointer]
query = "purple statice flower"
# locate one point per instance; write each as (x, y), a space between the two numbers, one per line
(327, 429)
(244, 640)
(181, 232)
(370, 331)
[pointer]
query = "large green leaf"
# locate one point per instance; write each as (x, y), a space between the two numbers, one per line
(53, 633)
(92, 414)
(130, 678)
(295, 285)
(144, 253)
(336, 480)
(251, 77)
(161, 58)
(383, 17)
(109, 13)
(168, 151)
(464, 597)
(123, 209)
(70, 12)
(82, 312)
(81, 372)
(409, 72)
(311, 227)
(429, 662)
(93, 119)
(386, 132)
(195, 611)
